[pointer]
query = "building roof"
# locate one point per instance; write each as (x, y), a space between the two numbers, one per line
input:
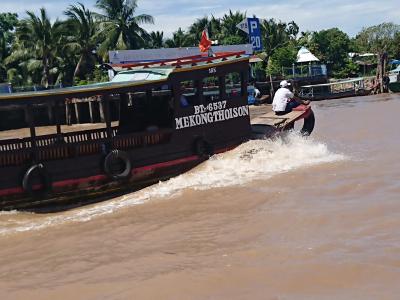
(304, 55)
(151, 55)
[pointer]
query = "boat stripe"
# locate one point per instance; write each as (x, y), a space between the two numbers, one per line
(19, 190)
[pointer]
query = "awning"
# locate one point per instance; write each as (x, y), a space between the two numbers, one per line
(304, 55)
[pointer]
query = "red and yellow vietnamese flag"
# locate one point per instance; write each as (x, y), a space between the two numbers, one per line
(205, 43)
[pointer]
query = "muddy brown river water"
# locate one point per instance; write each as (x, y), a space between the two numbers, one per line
(292, 218)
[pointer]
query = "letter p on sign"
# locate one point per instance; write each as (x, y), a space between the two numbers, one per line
(253, 26)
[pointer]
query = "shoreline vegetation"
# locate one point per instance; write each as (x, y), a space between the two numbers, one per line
(34, 51)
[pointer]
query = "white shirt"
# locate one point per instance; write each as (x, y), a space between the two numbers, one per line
(281, 98)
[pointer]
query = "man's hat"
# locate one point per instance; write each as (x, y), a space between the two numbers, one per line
(284, 83)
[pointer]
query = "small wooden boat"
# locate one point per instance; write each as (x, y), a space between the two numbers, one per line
(334, 90)
(147, 133)
(394, 77)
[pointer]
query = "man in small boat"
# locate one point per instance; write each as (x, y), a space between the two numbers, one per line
(284, 100)
(385, 83)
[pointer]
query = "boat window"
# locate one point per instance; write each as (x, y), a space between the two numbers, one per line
(13, 122)
(188, 94)
(211, 89)
(233, 85)
(43, 119)
(90, 110)
(148, 110)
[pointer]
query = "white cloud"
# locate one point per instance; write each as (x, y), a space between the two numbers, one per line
(308, 14)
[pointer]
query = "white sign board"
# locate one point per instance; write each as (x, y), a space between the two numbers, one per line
(244, 26)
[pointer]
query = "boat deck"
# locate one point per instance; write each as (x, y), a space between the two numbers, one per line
(264, 115)
(51, 129)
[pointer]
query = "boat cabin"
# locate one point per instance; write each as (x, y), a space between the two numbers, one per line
(153, 121)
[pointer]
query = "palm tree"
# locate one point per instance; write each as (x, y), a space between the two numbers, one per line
(8, 22)
(39, 36)
(179, 39)
(156, 39)
(230, 34)
(213, 27)
(120, 27)
(84, 31)
(277, 34)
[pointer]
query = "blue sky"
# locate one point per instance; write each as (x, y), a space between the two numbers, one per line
(350, 16)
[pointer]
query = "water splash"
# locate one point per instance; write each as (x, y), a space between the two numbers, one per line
(259, 159)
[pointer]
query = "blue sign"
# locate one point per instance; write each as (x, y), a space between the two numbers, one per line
(254, 33)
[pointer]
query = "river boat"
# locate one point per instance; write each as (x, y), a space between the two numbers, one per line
(50, 162)
(394, 83)
(334, 90)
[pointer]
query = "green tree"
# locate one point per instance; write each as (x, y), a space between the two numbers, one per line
(396, 48)
(83, 31)
(40, 38)
(229, 33)
(156, 39)
(212, 25)
(380, 38)
(282, 57)
(8, 22)
(332, 47)
(120, 27)
(179, 39)
(277, 34)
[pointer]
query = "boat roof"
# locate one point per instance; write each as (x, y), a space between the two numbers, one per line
(143, 75)
(136, 75)
(334, 83)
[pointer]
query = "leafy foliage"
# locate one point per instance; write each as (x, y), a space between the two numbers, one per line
(8, 22)
(277, 34)
(282, 57)
(41, 38)
(84, 37)
(36, 50)
(332, 47)
(382, 37)
(120, 27)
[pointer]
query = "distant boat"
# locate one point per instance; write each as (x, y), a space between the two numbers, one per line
(394, 84)
(334, 90)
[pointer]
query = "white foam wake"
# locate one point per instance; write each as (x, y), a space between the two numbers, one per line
(260, 159)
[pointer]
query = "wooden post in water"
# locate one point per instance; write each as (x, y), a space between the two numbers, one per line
(271, 91)
(101, 110)
(67, 111)
(50, 113)
(31, 122)
(91, 110)
(78, 120)
(106, 105)
(57, 117)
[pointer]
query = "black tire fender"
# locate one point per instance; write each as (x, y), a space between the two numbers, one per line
(113, 158)
(40, 171)
(309, 124)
